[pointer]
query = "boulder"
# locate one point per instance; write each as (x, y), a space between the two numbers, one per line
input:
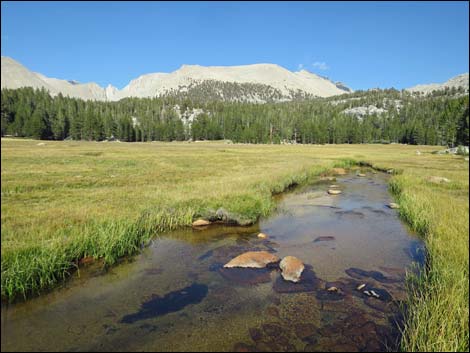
(224, 216)
(361, 175)
(262, 236)
(339, 171)
(334, 191)
(232, 218)
(437, 179)
(201, 223)
(291, 268)
(253, 259)
(393, 205)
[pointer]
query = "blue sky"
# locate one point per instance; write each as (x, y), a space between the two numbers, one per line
(363, 44)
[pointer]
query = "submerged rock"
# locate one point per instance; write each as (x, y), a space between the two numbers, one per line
(378, 276)
(324, 238)
(334, 191)
(171, 302)
(350, 213)
(253, 259)
(330, 294)
(308, 283)
(246, 276)
(291, 268)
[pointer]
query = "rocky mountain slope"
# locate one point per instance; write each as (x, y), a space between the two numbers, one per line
(454, 82)
(15, 75)
(254, 83)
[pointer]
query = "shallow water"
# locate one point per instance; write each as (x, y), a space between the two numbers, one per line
(176, 296)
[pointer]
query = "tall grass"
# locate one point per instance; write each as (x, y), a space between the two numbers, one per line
(437, 310)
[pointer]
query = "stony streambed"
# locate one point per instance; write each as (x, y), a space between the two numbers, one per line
(176, 295)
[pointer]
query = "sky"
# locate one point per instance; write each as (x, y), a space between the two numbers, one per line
(363, 44)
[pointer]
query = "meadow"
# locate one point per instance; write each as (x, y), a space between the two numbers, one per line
(72, 200)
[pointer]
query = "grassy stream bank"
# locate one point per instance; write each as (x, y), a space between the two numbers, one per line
(65, 201)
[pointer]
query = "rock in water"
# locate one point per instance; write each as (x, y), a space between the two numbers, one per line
(393, 205)
(200, 223)
(253, 259)
(334, 191)
(438, 180)
(262, 236)
(291, 268)
(361, 175)
(339, 171)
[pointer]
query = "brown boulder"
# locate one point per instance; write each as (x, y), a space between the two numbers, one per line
(253, 259)
(291, 268)
(200, 223)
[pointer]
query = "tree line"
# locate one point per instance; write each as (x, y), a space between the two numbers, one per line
(441, 118)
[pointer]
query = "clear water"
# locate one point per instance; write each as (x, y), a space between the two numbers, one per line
(175, 296)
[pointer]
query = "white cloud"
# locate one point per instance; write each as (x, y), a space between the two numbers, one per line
(320, 65)
(300, 67)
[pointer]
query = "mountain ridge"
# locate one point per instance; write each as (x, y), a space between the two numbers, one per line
(285, 82)
(245, 83)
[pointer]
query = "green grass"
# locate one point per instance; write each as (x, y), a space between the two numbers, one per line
(68, 200)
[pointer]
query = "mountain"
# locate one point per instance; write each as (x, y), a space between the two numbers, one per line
(15, 75)
(454, 82)
(257, 83)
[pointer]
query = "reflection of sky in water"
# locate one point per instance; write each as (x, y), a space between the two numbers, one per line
(186, 302)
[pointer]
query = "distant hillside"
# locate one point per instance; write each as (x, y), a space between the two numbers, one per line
(384, 116)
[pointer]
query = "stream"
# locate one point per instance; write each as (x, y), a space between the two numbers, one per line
(176, 295)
